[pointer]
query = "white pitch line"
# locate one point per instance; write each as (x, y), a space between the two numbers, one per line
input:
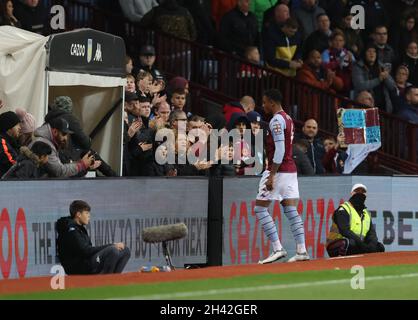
(213, 292)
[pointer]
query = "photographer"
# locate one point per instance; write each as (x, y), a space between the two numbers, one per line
(79, 142)
(56, 134)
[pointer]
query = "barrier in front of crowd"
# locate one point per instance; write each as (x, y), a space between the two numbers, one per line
(222, 227)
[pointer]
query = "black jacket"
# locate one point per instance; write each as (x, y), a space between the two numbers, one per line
(316, 152)
(239, 30)
(141, 162)
(75, 247)
(8, 152)
(342, 220)
(34, 19)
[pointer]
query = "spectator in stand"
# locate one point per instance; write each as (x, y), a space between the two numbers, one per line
(31, 163)
(282, 47)
(407, 34)
(385, 54)
(179, 84)
(140, 145)
(206, 29)
(32, 15)
(55, 134)
(129, 64)
(130, 84)
(134, 10)
(319, 39)
(6, 14)
(242, 150)
(335, 156)
(401, 80)
(314, 74)
(147, 62)
(278, 14)
(9, 146)
(259, 7)
(365, 98)
(307, 16)
(252, 54)
(162, 114)
(409, 110)
(177, 116)
(178, 99)
(411, 61)
(375, 15)
(369, 74)
(239, 28)
(335, 10)
(132, 124)
(162, 170)
(248, 103)
(230, 108)
(299, 154)
(339, 60)
(144, 82)
(78, 141)
(316, 148)
(170, 18)
(27, 126)
(220, 7)
(353, 38)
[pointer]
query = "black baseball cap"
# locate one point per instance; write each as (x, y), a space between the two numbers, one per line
(147, 50)
(60, 124)
(131, 96)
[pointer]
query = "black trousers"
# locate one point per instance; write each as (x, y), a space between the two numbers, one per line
(109, 260)
(345, 247)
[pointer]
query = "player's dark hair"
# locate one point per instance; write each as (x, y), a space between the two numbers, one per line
(274, 95)
(78, 206)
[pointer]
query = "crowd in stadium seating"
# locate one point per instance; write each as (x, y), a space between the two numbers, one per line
(307, 39)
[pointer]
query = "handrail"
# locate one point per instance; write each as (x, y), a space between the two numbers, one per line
(222, 74)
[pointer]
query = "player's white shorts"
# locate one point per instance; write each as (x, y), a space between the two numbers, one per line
(285, 186)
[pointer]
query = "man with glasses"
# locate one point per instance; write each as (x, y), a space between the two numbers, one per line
(352, 230)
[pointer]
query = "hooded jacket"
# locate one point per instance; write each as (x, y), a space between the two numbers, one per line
(55, 167)
(27, 166)
(75, 247)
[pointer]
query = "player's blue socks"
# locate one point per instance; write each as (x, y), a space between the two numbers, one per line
(269, 226)
(296, 225)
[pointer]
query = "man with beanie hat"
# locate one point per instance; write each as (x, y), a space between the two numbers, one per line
(352, 230)
(9, 133)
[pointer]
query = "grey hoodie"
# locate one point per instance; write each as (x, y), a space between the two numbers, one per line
(55, 167)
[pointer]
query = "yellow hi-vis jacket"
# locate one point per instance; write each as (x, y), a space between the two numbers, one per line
(358, 225)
